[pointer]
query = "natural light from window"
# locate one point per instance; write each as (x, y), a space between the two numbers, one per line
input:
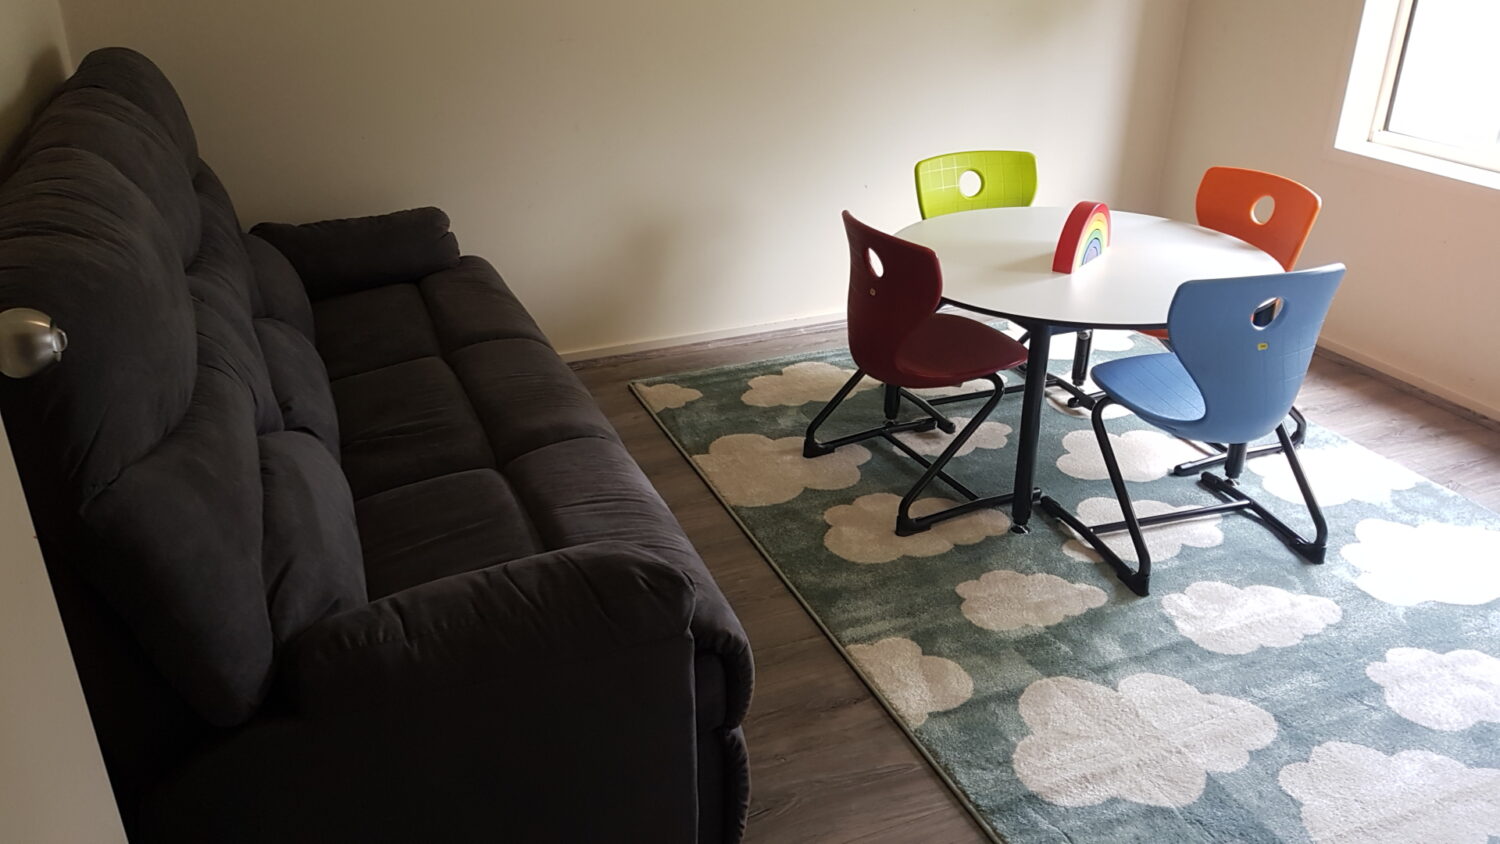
(1422, 88)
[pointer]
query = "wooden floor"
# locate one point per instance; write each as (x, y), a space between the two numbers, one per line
(827, 763)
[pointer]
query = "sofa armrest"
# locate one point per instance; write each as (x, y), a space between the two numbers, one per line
(344, 256)
(545, 699)
(561, 606)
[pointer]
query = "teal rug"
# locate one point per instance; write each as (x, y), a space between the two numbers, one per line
(1251, 697)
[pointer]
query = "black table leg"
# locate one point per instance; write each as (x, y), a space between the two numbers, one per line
(1031, 423)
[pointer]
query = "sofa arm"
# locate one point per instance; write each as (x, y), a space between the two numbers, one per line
(345, 256)
(545, 699)
(557, 607)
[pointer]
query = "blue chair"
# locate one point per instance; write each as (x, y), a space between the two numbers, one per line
(1240, 349)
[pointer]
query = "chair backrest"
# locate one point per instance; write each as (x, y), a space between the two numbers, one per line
(1247, 343)
(1006, 178)
(1226, 202)
(894, 285)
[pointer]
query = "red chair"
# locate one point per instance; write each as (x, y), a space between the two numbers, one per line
(896, 337)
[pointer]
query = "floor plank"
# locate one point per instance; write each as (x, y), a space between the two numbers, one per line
(827, 763)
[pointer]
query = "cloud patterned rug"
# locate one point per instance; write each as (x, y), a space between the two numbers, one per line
(1251, 697)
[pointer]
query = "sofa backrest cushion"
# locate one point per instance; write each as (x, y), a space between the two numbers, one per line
(188, 436)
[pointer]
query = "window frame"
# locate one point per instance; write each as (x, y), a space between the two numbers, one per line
(1373, 76)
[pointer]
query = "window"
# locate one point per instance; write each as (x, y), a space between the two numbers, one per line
(1422, 88)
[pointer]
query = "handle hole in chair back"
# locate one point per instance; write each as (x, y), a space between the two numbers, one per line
(1269, 310)
(964, 181)
(970, 183)
(887, 305)
(1263, 209)
(1249, 370)
(1271, 212)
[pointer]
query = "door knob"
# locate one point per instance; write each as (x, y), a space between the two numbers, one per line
(29, 342)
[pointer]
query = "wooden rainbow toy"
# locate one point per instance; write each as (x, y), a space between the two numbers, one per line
(1085, 236)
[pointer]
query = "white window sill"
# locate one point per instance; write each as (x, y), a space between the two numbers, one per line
(1419, 161)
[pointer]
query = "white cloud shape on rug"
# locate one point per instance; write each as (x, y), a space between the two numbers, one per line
(668, 396)
(1452, 691)
(1338, 474)
(987, 435)
(800, 383)
(1153, 742)
(1163, 541)
(1143, 455)
(1225, 619)
(1010, 600)
(1352, 794)
(751, 470)
(865, 530)
(915, 684)
(1063, 345)
(967, 387)
(1406, 565)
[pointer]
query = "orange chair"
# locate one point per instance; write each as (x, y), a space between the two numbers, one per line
(1227, 197)
(1226, 203)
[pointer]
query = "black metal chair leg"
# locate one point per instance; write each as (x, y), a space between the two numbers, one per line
(1233, 498)
(1140, 578)
(1193, 467)
(1083, 346)
(892, 402)
(1313, 550)
(1319, 544)
(905, 524)
(812, 447)
(944, 424)
(1300, 432)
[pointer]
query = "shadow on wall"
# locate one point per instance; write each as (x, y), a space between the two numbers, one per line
(641, 252)
(43, 75)
(1161, 28)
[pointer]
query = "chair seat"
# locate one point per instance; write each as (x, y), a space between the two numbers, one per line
(1155, 387)
(1158, 333)
(946, 350)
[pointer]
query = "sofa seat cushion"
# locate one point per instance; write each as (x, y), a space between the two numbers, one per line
(406, 423)
(468, 441)
(526, 397)
(441, 526)
(468, 306)
(372, 329)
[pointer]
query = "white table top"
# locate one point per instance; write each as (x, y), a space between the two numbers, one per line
(999, 260)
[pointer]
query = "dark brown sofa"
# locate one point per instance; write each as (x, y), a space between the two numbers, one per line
(344, 551)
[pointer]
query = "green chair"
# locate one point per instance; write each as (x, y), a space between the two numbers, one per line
(1007, 178)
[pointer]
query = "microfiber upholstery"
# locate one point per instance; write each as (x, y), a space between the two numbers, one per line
(344, 256)
(344, 550)
(222, 527)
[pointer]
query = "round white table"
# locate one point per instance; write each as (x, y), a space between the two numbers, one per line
(998, 261)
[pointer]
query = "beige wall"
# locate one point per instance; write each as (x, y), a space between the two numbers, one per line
(32, 60)
(657, 168)
(52, 782)
(1261, 86)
